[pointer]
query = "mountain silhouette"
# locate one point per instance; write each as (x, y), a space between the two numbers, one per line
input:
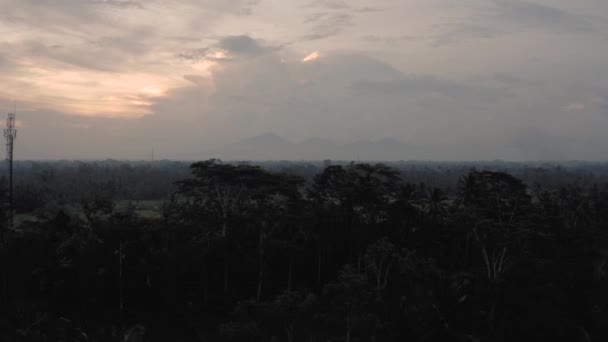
(270, 146)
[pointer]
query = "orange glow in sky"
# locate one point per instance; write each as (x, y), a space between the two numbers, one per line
(311, 57)
(87, 92)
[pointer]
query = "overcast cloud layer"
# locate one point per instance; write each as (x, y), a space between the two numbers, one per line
(486, 79)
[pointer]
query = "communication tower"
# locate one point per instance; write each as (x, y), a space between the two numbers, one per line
(10, 133)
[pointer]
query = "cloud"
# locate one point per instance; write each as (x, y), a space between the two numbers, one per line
(588, 102)
(601, 102)
(341, 5)
(574, 107)
(243, 44)
(93, 57)
(534, 142)
(327, 25)
(331, 17)
(120, 3)
(329, 4)
(228, 48)
(342, 96)
(453, 33)
(535, 15)
(428, 85)
(311, 57)
(494, 19)
(370, 38)
(197, 79)
(368, 9)
(181, 75)
(5, 62)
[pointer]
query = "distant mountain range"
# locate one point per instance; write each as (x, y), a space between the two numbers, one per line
(270, 146)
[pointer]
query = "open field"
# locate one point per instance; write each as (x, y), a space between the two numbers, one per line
(146, 209)
(150, 209)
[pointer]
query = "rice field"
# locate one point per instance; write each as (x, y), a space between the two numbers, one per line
(150, 209)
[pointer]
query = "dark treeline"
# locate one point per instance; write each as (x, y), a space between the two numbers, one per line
(40, 185)
(308, 252)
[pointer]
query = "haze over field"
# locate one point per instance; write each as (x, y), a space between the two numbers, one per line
(310, 79)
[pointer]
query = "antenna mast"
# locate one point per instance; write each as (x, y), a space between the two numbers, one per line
(10, 133)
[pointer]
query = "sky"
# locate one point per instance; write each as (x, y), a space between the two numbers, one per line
(486, 79)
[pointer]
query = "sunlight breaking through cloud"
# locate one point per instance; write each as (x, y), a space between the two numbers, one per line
(485, 76)
(311, 57)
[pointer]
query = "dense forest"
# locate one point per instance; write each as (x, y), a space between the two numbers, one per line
(305, 251)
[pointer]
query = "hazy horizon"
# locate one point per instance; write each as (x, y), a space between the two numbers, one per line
(514, 80)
